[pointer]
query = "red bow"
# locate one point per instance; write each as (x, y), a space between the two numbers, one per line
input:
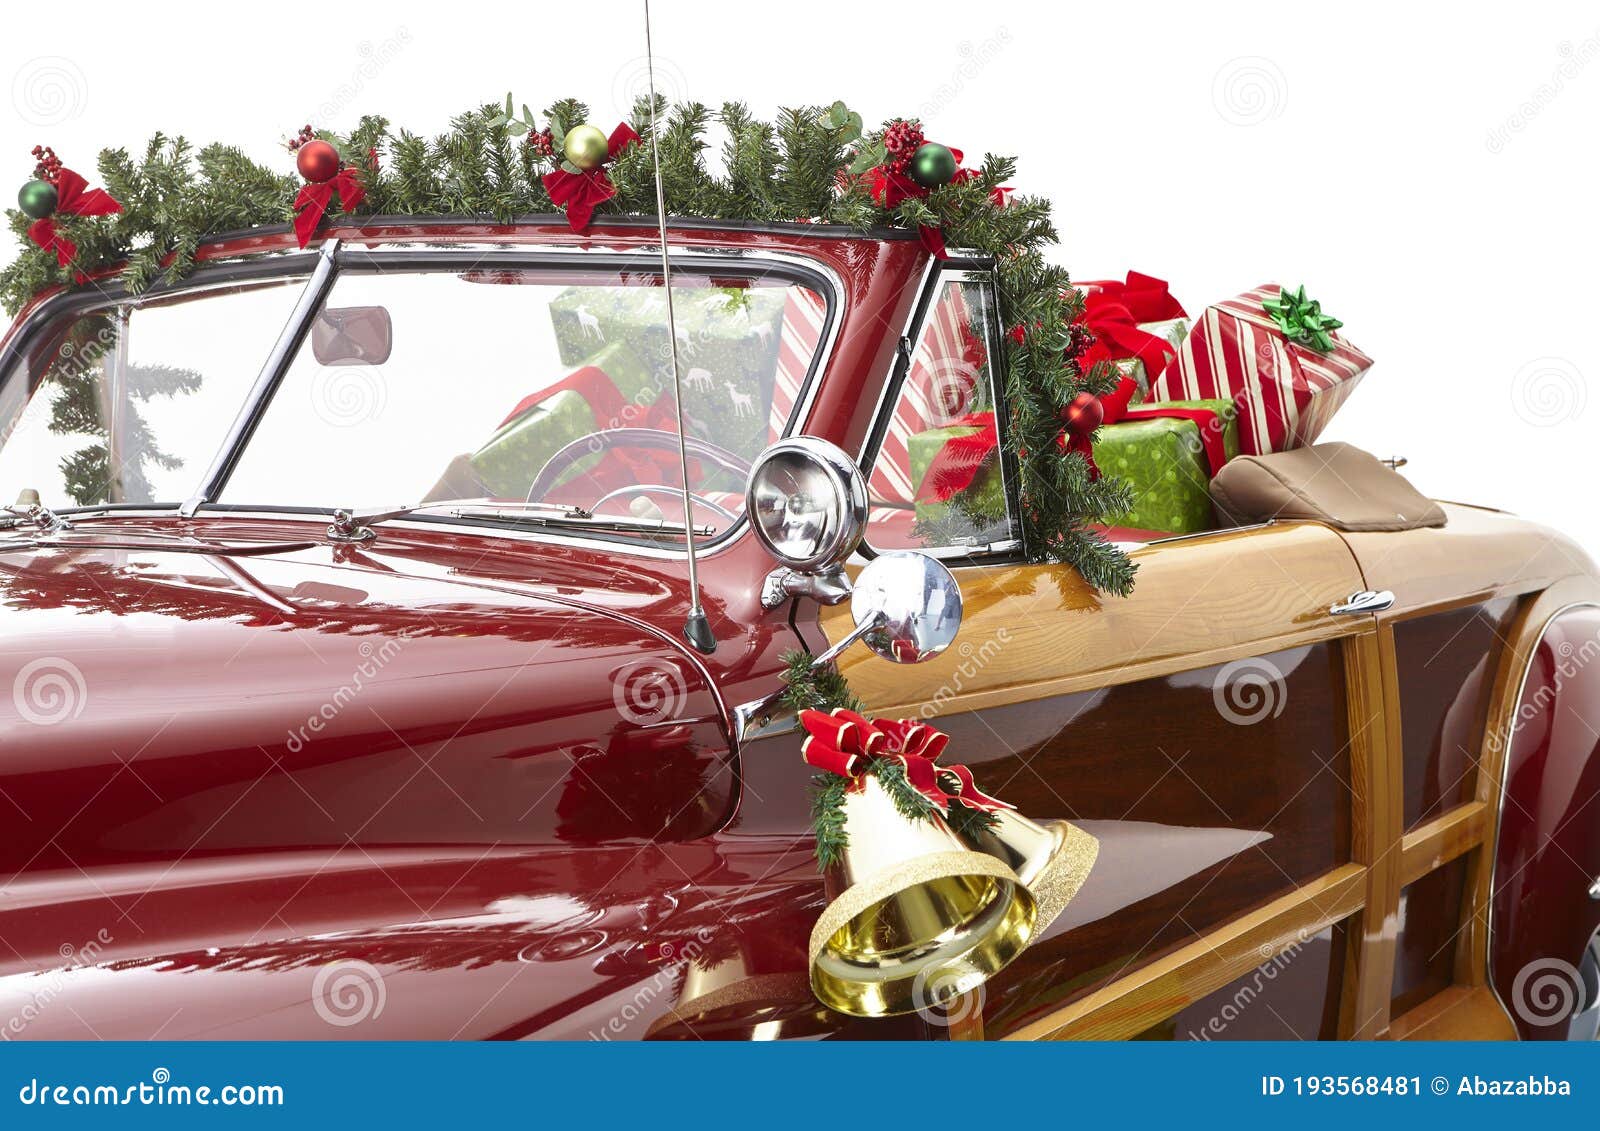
(891, 188)
(1145, 295)
(75, 198)
(845, 743)
(1117, 335)
(581, 192)
(313, 200)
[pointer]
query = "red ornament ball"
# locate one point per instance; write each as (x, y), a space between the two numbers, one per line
(317, 161)
(1083, 414)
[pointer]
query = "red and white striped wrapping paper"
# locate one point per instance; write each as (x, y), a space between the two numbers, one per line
(1285, 392)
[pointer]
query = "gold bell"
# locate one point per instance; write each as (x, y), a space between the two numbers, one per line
(1052, 858)
(916, 918)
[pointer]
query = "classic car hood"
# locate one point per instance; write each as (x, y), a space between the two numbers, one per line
(168, 698)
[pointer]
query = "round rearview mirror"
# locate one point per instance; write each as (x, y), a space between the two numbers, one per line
(909, 606)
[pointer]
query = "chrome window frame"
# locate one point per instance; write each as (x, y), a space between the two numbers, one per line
(957, 268)
(321, 269)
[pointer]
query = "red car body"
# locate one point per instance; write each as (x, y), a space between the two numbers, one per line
(450, 785)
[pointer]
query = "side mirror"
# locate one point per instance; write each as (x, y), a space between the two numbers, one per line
(907, 607)
(352, 335)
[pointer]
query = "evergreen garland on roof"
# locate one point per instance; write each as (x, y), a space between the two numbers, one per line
(811, 164)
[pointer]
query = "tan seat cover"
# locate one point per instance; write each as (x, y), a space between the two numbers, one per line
(1342, 486)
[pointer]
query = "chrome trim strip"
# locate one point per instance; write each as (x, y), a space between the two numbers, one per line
(267, 381)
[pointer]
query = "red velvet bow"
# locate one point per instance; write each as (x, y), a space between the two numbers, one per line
(845, 743)
(313, 200)
(1117, 335)
(74, 197)
(1145, 295)
(582, 192)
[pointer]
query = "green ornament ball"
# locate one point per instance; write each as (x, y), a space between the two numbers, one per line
(37, 199)
(932, 165)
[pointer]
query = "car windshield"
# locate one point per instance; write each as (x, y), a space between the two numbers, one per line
(501, 386)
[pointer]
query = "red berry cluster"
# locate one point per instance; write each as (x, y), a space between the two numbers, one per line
(1079, 339)
(542, 142)
(47, 166)
(902, 139)
(306, 134)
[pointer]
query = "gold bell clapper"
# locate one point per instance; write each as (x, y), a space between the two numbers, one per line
(915, 916)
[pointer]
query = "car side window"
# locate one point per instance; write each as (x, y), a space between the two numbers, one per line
(128, 406)
(937, 481)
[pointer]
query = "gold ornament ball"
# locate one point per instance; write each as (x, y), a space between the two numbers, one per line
(585, 146)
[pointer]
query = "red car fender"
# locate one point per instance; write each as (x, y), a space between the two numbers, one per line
(1543, 916)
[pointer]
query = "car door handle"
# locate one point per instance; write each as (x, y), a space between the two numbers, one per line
(1365, 601)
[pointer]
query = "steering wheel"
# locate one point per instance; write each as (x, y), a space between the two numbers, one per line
(607, 438)
(661, 489)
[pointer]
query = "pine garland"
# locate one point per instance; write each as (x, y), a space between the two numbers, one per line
(808, 165)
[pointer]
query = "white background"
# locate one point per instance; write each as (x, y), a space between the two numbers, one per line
(1427, 170)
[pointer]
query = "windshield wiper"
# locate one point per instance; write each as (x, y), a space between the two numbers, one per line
(582, 520)
(356, 525)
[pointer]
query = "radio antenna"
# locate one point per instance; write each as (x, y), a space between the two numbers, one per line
(696, 629)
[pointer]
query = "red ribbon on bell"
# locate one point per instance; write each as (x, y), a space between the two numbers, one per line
(75, 198)
(845, 743)
(311, 203)
(582, 192)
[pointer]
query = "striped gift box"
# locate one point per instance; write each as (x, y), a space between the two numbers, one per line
(1285, 392)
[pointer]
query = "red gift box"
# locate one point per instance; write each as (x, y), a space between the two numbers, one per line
(1285, 392)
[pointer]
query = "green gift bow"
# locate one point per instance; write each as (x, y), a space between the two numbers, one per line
(1302, 320)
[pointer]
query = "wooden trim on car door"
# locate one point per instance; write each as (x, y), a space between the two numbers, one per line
(1155, 992)
(1372, 692)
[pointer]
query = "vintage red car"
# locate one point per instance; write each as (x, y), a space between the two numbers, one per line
(283, 758)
